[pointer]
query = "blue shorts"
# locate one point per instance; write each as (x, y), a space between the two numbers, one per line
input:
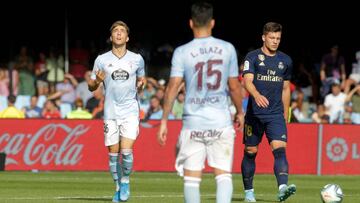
(274, 127)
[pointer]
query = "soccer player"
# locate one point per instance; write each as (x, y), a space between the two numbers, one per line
(210, 70)
(122, 73)
(267, 73)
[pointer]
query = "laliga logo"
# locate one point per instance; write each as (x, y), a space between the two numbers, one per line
(337, 149)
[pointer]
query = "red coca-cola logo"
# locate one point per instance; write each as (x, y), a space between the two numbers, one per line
(44, 147)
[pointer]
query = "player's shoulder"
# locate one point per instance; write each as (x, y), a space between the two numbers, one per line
(284, 56)
(134, 55)
(223, 43)
(103, 56)
(254, 53)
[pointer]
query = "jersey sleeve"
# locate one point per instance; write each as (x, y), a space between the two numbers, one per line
(177, 64)
(249, 64)
(287, 74)
(234, 68)
(140, 72)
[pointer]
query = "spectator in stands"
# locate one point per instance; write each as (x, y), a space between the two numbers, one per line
(41, 72)
(79, 112)
(82, 90)
(33, 111)
(149, 91)
(4, 81)
(55, 64)
(26, 82)
(13, 77)
(160, 94)
(354, 98)
(11, 111)
(178, 107)
(155, 110)
(23, 61)
(66, 90)
(303, 93)
(354, 77)
(320, 115)
(332, 68)
(50, 110)
(24, 65)
(335, 103)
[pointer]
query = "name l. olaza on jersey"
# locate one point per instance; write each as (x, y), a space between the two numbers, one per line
(207, 50)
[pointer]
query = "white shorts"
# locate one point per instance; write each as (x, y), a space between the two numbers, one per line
(194, 146)
(113, 129)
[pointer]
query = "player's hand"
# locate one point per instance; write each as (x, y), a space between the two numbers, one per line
(239, 121)
(261, 101)
(140, 84)
(162, 134)
(100, 76)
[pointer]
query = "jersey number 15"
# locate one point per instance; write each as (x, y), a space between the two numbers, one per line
(209, 72)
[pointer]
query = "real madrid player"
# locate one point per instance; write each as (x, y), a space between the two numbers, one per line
(210, 70)
(267, 73)
(122, 74)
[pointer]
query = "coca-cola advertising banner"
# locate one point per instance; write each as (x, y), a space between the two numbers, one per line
(341, 149)
(53, 144)
(79, 145)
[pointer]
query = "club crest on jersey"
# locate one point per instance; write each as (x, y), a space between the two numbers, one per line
(120, 75)
(281, 65)
(261, 57)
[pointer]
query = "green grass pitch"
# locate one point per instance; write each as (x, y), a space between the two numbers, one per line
(150, 187)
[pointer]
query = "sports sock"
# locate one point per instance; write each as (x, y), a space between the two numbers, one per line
(115, 169)
(224, 188)
(192, 189)
(248, 169)
(281, 166)
(127, 164)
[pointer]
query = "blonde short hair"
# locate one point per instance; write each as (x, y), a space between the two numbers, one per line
(119, 23)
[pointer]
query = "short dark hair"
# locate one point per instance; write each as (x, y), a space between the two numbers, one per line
(11, 99)
(272, 27)
(201, 13)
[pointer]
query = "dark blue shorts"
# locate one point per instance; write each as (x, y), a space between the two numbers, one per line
(274, 127)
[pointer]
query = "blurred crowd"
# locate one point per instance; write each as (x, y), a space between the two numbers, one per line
(40, 87)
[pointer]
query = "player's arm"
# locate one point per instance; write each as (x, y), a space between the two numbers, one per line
(169, 98)
(236, 97)
(250, 87)
(94, 84)
(286, 98)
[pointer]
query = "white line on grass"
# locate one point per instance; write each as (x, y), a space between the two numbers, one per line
(133, 196)
(100, 197)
